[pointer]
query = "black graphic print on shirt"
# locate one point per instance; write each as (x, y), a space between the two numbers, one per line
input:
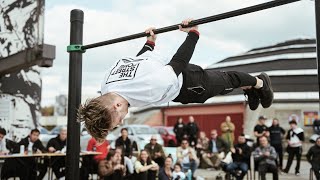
(125, 69)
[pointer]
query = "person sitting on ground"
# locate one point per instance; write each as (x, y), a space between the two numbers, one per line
(216, 151)
(187, 157)
(202, 143)
(145, 168)
(126, 161)
(148, 79)
(90, 164)
(265, 158)
(177, 173)
(112, 168)
(3, 147)
(55, 145)
(155, 151)
(165, 173)
(240, 157)
(313, 157)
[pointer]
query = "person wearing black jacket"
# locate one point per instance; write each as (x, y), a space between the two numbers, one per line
(55, 145)
(125, 143)
(192, 130)
(295, 137)
(241, 158)
(28, 167)
(313, 157)
(180, 130)
(276, 133)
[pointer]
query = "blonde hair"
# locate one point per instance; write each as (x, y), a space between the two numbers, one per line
(96, 117)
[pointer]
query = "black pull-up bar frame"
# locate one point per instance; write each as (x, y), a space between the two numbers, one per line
(213, 18)
(76, 50)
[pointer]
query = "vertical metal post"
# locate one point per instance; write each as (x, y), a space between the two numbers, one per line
(317, 9)
(74, 97)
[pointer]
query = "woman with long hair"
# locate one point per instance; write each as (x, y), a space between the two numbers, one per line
(165, 173)
(112, 168)
(145, 168)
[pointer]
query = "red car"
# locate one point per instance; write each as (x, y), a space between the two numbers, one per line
(168, 136)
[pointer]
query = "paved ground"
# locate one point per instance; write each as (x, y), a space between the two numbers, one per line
(304, 171)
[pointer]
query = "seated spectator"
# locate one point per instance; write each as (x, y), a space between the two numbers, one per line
(3, 147)
(58, 144)
(125, 143)
(89, 164)
(27, 166)
(165, 173)
(265, 159)
(146, 169)
(313, 157)
(155, 151)
(241, 158)
(126, 161)
(177, 173)
(216, 151)
(112, 168)
(202, 143)
(187, 156)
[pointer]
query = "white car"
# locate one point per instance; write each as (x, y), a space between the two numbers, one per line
(138, 134)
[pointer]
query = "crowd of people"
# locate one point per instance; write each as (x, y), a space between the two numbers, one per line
(194, 150)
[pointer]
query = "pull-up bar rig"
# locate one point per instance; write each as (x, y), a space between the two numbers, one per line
(76, 49)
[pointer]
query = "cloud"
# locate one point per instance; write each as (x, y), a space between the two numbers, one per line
(218, 40)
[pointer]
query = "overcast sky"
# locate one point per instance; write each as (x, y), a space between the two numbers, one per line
(111, 19)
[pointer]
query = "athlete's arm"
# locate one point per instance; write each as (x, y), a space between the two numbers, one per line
(149, 45)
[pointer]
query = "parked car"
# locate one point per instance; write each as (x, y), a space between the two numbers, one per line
(168, 136)
(138, 134)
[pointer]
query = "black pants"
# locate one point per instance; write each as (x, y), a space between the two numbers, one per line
(200, 85)
(264, 168)
(293, 151)
(279, 150)
(316, 169)
(58, 164)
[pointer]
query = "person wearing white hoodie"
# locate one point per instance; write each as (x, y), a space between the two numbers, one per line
(295, 137)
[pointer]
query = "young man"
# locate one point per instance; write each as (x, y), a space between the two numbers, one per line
(313, 157)
(276, 135)
(295, 137)
(261, 129)
(152, 80)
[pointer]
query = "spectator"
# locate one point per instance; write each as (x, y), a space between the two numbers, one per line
(316, 126)
(155, 151)
(192, 130)
(58, 144)
(89, 164)
(179, 130)
(241, 158)
(313, 157)
(227, 128)
(261, 129)
(202, 143)
(126, 161)
(276, 133)
(165, 173)
(295, 136)
(177, 173)
(187, 156)
(145, 168)
(216, 150)
(124, 142)
(265, 159)
(27, 169)
(3, 148)
(112, 168)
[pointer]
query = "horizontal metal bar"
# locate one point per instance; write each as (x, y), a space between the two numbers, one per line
(217, 17)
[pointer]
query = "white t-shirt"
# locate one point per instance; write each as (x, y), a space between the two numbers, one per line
(143, 80)
(185, 154)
